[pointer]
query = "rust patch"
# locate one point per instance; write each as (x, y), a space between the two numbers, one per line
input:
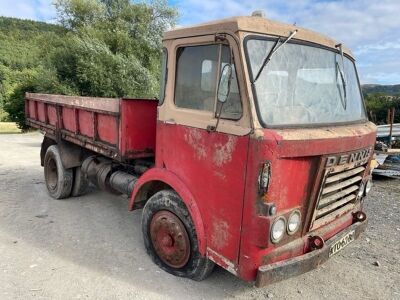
(223, 152)
(220, 235)
(194, 139)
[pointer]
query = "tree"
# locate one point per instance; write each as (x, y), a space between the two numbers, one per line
(107, 48)
(377, 107)
(113, 48)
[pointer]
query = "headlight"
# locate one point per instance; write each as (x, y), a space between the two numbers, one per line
(368, 186)
(278, 229)
(294, 222)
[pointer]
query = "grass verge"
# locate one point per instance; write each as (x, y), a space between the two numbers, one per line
(9, 127)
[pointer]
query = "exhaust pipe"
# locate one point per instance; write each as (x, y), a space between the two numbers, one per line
(102, 173)
(123, 182)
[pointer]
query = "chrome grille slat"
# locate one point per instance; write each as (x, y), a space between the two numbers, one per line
(341, 185)
(334, 205)
(345, 174)
(336, 213)
(324, 201)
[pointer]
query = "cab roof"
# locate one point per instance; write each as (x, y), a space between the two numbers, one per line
(255, 25)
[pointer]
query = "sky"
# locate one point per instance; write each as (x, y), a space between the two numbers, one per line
(370, 28)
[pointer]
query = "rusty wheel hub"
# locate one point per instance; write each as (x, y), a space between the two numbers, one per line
(170, 239)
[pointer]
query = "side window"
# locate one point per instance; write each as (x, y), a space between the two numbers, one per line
(197, 78)
(164, 72)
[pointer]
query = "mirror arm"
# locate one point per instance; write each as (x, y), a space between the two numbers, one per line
(211, 128)
(219, 115)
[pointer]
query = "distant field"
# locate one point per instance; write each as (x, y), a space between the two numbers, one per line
(9, 127)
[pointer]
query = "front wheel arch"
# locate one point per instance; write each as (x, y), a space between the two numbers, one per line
(171, 181)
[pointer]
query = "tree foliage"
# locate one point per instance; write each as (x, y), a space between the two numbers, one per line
(378, 104)
(108, 48)
(23, 45)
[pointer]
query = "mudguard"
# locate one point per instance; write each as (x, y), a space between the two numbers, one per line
(169, 178)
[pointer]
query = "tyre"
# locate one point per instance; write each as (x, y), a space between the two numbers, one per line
(170, 237)
(80, 184)
(58, 179)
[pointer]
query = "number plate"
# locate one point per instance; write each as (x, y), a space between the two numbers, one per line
(343, 242)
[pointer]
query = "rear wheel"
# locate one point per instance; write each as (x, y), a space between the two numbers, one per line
(170, 237)
(58, 179)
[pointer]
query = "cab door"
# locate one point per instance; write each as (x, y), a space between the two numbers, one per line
(210, 161)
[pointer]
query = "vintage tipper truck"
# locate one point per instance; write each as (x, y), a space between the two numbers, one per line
(255, 157)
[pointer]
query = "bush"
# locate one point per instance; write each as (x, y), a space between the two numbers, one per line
(41, 81)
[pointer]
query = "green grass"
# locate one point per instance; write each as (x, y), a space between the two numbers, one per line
(9, 127)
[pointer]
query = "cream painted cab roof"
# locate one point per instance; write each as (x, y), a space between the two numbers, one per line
(252, 24)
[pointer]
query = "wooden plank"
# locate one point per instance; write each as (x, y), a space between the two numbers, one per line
(92, 103)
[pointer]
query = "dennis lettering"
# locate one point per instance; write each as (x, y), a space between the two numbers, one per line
(359, 156)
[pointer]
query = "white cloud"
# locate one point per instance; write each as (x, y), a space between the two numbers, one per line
(378, 47)
(368, 27)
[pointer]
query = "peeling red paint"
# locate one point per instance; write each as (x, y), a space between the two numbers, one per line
(194, 139)
(223, 152)
(220, 234)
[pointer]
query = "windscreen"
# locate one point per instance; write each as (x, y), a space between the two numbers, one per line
(303, 85)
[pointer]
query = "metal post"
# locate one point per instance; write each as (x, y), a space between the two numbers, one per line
(391, 121)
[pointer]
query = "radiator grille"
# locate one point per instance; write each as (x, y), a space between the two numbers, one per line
(338, 193)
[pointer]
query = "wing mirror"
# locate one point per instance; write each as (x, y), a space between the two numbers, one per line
(224, 88)
(224, 85)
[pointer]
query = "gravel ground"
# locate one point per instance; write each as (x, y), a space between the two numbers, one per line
(91, 247)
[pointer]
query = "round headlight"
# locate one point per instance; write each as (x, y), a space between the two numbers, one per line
(278, 229)
(368, 186)
(293, 222)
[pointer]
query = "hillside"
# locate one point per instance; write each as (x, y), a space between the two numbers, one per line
(390, 90)
(19, 39)
(23, 44)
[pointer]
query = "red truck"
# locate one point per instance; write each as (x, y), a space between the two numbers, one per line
(255, 156)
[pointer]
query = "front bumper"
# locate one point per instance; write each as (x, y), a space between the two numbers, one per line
(278, 271)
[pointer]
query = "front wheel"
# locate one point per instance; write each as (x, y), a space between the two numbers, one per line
(170, 237)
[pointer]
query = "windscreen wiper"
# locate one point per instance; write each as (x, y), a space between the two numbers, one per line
(275, 48)
(342, 76)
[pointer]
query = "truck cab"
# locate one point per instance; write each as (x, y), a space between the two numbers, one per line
(278, 169)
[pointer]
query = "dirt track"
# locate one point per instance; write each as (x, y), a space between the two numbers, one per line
(91, 247)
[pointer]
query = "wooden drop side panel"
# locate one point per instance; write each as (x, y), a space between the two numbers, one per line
(85, 120)
(41, 109)
(32, 110)
(52, 115)
(68, 118)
